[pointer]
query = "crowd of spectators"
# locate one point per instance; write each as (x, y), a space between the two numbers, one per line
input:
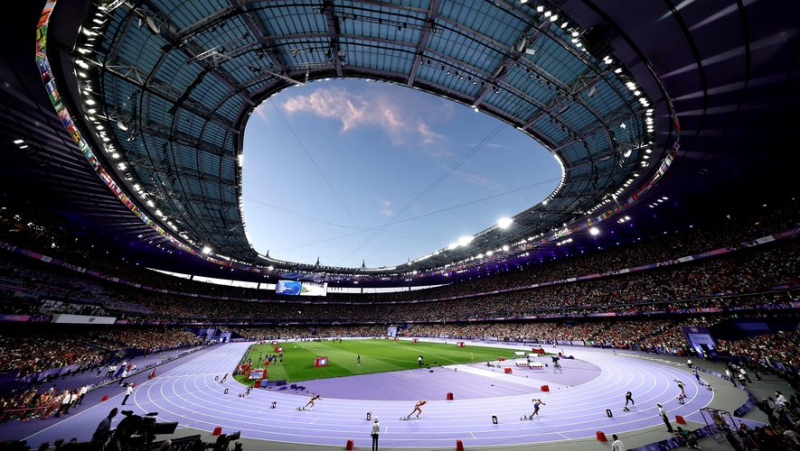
(552, 265)
(316, 332)
(745, 278)
(771, 353)
(35, 352)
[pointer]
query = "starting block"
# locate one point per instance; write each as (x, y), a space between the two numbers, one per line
(494, 419)
(274, 404)
(301, 408)
(225, 392)
(625, 409)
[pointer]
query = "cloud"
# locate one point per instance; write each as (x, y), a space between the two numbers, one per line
(261, 113)
(352, 110)
(428, 135)
(357, 111)
(386, 208)
(476, 179)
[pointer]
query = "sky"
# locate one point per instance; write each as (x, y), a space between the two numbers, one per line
(351, 171)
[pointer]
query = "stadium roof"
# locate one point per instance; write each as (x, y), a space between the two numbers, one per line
(160, 91)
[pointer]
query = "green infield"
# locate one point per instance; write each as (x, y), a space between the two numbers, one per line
(377, 356)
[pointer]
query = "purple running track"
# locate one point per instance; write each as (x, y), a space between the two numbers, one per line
(189, 394)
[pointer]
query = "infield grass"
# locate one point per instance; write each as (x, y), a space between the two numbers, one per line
(377, 356)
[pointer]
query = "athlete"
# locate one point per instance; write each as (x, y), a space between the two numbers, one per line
(417, 408)
(629, 398)
(224, 378)
(536, 404)
(682, 386)
(358, 360)
(311, 403)
(555, 362)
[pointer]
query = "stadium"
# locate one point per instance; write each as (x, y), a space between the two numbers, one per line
(605, 256)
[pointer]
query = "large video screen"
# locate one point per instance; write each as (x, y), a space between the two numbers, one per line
(314, 289)
(297, 288)
(291, 287)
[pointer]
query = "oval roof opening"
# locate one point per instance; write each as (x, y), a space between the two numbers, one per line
(350, 171)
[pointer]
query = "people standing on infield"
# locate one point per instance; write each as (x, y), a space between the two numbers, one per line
(617, 445)
(311, 402)
(82, 393)
(742, 372)
(417, 408)
(730, 376)
(419, 360)
(664, 417)
(358, 360)
(376, 429)
(128, 392)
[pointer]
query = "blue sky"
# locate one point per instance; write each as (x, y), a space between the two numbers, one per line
(350, 170)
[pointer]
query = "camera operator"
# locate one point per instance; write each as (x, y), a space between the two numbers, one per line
(103, 431)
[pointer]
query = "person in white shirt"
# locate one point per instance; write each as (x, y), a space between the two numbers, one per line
(82, 393)
(664, 417)
(780, 400)
(66, 401)
(376, 430)
(617, 445)
(730, 376)
(127, 393)
(793, 436)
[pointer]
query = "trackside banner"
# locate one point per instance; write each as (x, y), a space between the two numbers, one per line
(64, 318)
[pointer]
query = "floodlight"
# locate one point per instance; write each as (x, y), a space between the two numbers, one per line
(465, 240)
(594, 231)
(504, 223)
(206, 250)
